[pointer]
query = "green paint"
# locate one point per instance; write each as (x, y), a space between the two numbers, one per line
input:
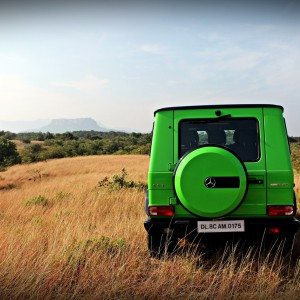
(181, 182)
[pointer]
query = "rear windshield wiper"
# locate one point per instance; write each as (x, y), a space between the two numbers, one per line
(224, 117)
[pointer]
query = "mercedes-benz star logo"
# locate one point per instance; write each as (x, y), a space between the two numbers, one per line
(210, 182)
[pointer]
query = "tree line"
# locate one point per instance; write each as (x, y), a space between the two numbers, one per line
(38, 146)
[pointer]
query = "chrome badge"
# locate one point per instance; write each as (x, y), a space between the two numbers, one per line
(210, 182)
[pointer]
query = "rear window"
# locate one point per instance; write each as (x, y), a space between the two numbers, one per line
(239, 135)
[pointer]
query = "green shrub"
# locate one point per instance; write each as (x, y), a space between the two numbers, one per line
(8, 153)
(295, 149)
(26, 141)
(38, 200)
(62, 195)
(118, 181)
(40, 136)
(77, 252)
(31, 153)
(81, 143)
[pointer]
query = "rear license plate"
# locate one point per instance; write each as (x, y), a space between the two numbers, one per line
(221, 226)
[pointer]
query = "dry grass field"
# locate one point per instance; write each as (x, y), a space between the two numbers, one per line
(63, 236)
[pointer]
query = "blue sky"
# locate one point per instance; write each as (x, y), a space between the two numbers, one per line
(119, 62)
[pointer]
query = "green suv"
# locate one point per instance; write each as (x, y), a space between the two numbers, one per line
(220, 171)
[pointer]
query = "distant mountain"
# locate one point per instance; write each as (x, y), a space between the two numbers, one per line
(64, 125)
(59, 126)
(123, 129)
(21, 126)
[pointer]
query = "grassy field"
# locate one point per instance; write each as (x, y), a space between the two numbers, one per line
(61, 235)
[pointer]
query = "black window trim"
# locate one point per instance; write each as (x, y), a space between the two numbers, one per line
(223, 119)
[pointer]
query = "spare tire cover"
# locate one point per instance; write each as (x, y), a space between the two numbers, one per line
(210, 181)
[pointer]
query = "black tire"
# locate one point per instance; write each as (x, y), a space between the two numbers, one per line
(291, 249)
(296, 247)
(160, 244)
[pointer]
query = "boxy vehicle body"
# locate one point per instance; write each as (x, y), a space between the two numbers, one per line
(216, 170)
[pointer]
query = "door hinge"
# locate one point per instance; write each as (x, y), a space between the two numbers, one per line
(171, 167)
(172, 201)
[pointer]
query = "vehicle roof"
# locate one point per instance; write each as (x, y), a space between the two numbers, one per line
(218, 106)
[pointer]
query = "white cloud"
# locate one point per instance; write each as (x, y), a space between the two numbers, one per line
(8, 58)
(282, 71)
(231, 58)
(244, 60)
(15, 86)
(88, 84)
(22, 100)
(153, 49)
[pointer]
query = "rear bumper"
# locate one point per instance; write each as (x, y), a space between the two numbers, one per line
(253, 227)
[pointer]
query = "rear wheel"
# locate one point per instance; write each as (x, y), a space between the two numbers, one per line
(161, 243)
(291, 246)
(296, 246)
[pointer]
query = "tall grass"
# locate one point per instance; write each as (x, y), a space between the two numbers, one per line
(64, 236)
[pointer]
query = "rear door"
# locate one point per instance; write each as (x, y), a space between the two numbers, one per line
(205, 122)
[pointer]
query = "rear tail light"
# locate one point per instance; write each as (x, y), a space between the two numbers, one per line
(280, 210)
(166, 211)
(275, 230)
